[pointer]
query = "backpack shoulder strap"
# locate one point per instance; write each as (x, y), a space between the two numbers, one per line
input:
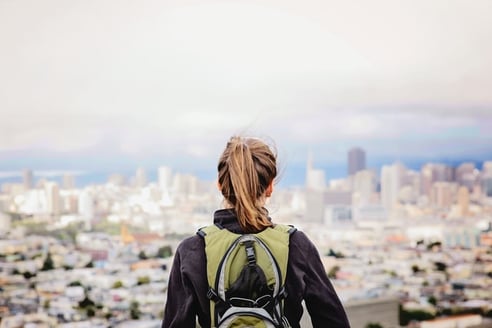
(203, 231)
(217, 242)
(277, 240)
(290, 229)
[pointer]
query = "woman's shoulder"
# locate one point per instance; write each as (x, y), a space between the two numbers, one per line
(189, 244)
(300, 241)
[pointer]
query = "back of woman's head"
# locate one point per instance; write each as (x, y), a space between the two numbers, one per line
(245, 170)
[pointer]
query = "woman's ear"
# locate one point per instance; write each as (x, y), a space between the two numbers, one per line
(269, 190)
(219, 186)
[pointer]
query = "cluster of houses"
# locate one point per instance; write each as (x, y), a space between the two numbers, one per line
(97, 281)
(430, 282)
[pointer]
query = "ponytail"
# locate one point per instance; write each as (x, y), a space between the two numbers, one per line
(245, 170)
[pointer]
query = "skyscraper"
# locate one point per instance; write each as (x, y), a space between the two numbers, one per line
(27, 179)
(86, 207)
(165, 175)
(356, 160)
(434, 172)
(315, 178)
(487, 168)
(391, 181)
(364, 186)
(315, 188)
(466, 175)
(464, 201)
(53, 199)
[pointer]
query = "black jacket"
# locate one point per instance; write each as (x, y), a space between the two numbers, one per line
(306, 280)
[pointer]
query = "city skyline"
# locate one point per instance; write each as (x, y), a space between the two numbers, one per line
(169, 82)
(289, 175)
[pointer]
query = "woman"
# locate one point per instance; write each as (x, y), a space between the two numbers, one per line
(246, 172)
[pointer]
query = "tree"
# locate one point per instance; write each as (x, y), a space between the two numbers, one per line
(142, 255)
(28, 275)
(409, 315)
(134, 310)
(338, 255)
(75, 283)
(373, 325)
(332, 274)
(488, 313)
(432, 300)
(117, 284)
(436, 244)
(90, 312)
(416, 269)
(48, 263)
(440, 266)
(164, 251)
(143, 280)
(86, 302)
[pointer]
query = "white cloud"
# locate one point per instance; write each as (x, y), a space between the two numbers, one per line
(156, 76)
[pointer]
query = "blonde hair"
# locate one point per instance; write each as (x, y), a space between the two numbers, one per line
(246, 168)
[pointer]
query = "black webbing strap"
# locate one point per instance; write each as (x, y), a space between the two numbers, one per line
(282, 294)
(250, 252)
(213, 296)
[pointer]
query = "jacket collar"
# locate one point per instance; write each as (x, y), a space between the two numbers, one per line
(227, 219)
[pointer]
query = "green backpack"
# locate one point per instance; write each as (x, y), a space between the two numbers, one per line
(246, 276)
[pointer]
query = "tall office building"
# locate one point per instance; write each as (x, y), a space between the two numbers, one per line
(315, 187)
(364, 186)
(27, 179)
(434, 172)
(466, 175)
(356, 160)
(315, 179)
(86, 207)
(391, 182)
(165, 175)
(184, 184)
(486, 179)
(487, 186)
(53, 198)
(487, 168)
(464, 201)
(442, 194)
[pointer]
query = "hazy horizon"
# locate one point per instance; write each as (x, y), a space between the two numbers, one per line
(127, 84)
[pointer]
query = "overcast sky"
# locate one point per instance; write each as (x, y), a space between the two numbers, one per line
(175, 79)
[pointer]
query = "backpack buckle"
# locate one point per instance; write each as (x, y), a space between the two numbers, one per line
(212, 295)
(282, 294)
(250, 252)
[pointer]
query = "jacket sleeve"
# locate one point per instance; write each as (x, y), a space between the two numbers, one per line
(180, 309)
(322, 302)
